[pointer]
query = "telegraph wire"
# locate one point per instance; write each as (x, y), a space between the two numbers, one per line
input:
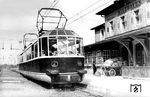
(89, 12)
(84, 9)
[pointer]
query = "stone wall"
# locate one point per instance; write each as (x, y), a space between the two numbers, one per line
(132, 71)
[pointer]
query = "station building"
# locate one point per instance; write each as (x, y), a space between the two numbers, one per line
(124, 35)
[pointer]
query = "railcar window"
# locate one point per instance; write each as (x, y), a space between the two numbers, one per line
(44, 51)
(32, 49)
(71, 46)
(79, 46)
(62, 45)
(28, 54)
(52, 46)
(24, 57)
(36, 49)
(40, 40)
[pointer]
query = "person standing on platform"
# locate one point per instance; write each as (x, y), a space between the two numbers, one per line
(94, 67)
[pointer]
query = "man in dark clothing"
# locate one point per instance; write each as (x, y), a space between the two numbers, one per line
(94, 68)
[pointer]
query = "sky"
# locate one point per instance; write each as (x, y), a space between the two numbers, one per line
(18, 17)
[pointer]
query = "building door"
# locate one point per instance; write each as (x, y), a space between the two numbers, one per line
(125, 55)
(139, 55)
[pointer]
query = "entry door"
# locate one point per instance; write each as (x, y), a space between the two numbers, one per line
(139, 54)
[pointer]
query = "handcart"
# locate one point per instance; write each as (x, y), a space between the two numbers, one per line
(110, 70)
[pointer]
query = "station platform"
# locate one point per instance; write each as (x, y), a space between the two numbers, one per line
(105, 86)
(117, 86)
(13, 84)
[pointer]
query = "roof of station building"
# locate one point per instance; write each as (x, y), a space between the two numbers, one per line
(116, 5)
(98, 27)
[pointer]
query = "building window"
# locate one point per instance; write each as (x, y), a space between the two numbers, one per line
(111, 25)
(102, 34)
(110, 54)
(89, 58)
(107, 29)
(148, 14)
(94, 56)
(99, 58)
(102, 31)
(118, 25)
(132, 20)
(124, 22)
(106, 54)
(97, 36)
(137, 16)
(107, 34)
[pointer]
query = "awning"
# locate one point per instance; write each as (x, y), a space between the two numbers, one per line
(144, 32)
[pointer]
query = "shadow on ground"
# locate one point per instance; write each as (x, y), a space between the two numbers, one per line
(62, 87)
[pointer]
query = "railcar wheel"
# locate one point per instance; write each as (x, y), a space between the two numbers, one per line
(112, 72)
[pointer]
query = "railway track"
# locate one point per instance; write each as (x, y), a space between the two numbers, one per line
(71, 90)
(74, 91)
(83, 88)
(89, 93)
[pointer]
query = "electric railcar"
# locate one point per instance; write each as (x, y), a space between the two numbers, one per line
(56, 56)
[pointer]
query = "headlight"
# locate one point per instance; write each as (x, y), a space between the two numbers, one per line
(54, 64)
(79, 63)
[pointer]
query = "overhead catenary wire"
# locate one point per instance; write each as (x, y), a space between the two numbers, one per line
(84, 9)
(52, 6)
(89, 12)
(53, 3)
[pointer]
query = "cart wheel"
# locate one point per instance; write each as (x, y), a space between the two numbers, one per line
(112, 72)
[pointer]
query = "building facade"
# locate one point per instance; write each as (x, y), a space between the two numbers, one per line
(125, 35)
(9, 50)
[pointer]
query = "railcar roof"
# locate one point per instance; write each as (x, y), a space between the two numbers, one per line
(59, 32)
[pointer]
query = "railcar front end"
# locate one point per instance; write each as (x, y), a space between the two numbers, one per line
(69, 69)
